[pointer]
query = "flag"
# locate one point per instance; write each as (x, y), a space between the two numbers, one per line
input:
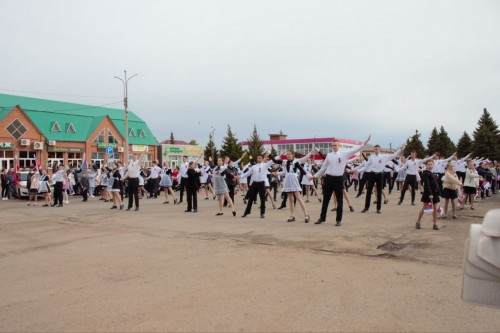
(429, 208)
(37, 164)
(84, 163)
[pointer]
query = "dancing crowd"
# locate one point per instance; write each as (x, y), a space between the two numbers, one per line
(457, 181)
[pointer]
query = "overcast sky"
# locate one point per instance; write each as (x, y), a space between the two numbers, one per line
(308, 68)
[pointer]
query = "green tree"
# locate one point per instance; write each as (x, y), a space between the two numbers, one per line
(415, 144)
(211, 149)
(255, 145)
(448, 148)
(433, 144)
(230, 146)
(172, 139)
(464, 146)
(486, 138)
(193, 142)
(273, 151)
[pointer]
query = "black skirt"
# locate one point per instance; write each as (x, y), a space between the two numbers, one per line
(426, 199)
(469, 190)
(449, 193)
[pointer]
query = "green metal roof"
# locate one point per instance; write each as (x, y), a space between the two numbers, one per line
(85, 118)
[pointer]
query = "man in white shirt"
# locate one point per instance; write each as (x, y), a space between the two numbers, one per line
(183, 178)
(58, 178)
(412, 167)
(154, 180)
(258, 172)
(133, 171)
(376, 164)
(334, 167)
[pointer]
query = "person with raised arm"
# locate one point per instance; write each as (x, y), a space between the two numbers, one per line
(133, 172)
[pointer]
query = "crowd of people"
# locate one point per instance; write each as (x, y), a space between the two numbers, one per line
(457, 181)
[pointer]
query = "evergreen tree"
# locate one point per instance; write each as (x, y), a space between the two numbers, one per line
(433, 144)
(486, 138)
(415, 144)
(273, 151)
(211, 150)
(255, 145)
(464, 146)
(230, 146)
(172, 139)
(447, 146)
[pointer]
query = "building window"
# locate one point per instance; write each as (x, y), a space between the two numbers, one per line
(55, 159)
(71, 128)
(27, 159)
(142, 134)
(74, 159)
(99, 138)
(324, 148)
(303, 148)
(97, 159)
(16, 129)
(55, 127)
(111, 138)
(131, 132)
(282, 149)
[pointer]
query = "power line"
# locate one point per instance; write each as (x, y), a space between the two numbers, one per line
(41, 93)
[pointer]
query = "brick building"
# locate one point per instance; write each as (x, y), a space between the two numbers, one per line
(61, 132)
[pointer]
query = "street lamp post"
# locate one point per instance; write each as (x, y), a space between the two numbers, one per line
(125, 106)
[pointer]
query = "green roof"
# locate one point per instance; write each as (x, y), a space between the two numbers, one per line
(85, 118)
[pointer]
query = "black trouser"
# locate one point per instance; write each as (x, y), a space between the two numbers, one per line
(284, 196)
(333, 184)
(260, 188)
(393, 181)
(273, 186)
(387, 179)
(231, 188)
(153, 188)
(440, 182)
(85, 194)
(182, 187)
(362, 182)
(133, 192)
(5, 190)
(58, 193)
(410, 180)
(461, 176)
(375, 178)
(192, 198)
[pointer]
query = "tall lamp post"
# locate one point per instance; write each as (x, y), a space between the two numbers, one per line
(125, 105)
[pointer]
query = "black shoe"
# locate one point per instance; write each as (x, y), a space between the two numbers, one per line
(417, 225)
(379, 212)
(386, 201)
(262, 216)
(59, 205)
(179, 202)
(281, 207)
(195, 210)
(187, 211)
(121, 207)
(358, 196)
(334, 209)
(435, 227)
(319, 221)
(114, 207)
(129, 208)
(338, 224)
(291, 219)
(400, 202)
(244, 215)
(175, 201)
(234, 213)
(413, 204)
(364, 210)
(245, 201)
(351, 208)
(206, 198)
(136, 209)
(219, 214)
(307, 219)
(52, 205)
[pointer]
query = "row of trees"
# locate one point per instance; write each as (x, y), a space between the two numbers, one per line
(484, 143)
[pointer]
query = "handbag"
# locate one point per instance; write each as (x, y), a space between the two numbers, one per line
(481, 277)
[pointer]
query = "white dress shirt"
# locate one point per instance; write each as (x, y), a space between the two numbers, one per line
(134, 168)
(258, 171)
(155, 171)
(335, 162)
(376, 163)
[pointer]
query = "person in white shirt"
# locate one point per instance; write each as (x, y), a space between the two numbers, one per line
(376, 164)
(183, 167)
(133, 172)
(154, 180)
(58, 178)
(411, 168)
(334, 167)
(258, 172)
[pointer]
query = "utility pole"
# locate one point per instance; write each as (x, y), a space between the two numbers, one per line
(125, 106)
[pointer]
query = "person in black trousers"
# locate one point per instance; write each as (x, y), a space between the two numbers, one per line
(230, 172)
(192, 183)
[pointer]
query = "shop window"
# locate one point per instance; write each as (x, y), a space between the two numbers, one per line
(16, 129)
(111, 138)
(55, 127)
(99, 138)
(71, 128)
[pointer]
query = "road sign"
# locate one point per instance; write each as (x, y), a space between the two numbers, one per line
(109, 150)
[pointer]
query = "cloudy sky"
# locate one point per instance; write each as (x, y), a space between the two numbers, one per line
(308, 68)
